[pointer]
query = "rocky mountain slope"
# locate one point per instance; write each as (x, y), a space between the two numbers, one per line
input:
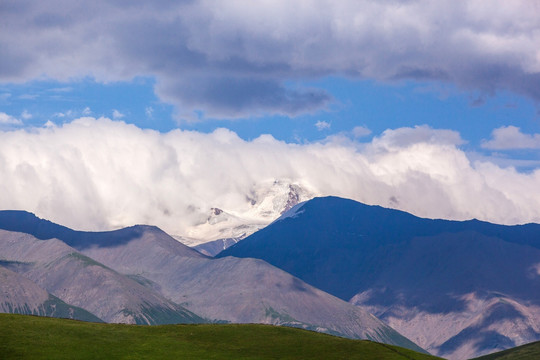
(156, 268)
(86, 283)
(458, 289)
(19, 295)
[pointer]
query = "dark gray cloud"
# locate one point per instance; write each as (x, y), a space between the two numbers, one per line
(236, 97)
(232, 58)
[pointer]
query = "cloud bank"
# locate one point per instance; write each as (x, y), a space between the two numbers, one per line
(6, 119)
(511, 138)
(231, 59)
(99, 174)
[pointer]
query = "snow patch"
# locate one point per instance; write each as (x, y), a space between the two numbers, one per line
(265, 203)
(293, 212)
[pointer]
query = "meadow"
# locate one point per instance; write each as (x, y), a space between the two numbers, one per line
(32, 337)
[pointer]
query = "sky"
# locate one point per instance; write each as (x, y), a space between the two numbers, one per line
(121, 112)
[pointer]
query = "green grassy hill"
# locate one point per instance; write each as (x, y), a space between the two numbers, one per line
(32, 337)
(524, 352)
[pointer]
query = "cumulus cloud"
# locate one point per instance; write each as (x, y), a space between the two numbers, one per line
(360, 131)
(6, 119)
(405, 137)
(322, 125)
(100, 174)
(26, 115)
(511, 138)
(117, 114)
(68, 113)
(230, 59)
(74, 113)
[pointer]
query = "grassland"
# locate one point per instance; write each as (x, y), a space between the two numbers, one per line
(32, 337)
(524, 352)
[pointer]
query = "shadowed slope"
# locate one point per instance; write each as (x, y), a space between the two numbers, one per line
(28, 223)
(432, 280)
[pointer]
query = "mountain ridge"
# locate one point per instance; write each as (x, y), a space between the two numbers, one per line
(412, 271)
(231, 289)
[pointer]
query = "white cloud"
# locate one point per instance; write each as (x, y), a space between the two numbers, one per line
(360, 131)
(72, 114)
(403, 137)
(503, 160)
(149, 111)
(69, 113)
(226, 59)
(6, 119)
(102, 174)
(322, 125)
(117, 114)
(49, 124)
(511, 138)
(26, 115)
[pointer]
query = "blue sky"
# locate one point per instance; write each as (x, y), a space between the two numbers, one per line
(374, 105)
(435, 104)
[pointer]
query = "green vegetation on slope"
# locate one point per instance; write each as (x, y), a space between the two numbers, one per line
(524, 352)
(32, 337)
(55, 307)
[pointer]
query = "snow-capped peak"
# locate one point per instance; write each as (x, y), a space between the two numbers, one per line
(265, 203)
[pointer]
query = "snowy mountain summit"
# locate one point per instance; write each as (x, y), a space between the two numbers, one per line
(264, 203)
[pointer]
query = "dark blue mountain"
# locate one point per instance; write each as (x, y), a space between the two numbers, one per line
(28, 223)
(343, 246)
(406, 268)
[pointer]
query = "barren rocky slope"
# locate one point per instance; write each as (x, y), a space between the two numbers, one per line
(19, 295)
(84, 282)
(231, 289)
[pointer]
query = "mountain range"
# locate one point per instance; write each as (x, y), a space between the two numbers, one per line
(142, 275)
(457, 288)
